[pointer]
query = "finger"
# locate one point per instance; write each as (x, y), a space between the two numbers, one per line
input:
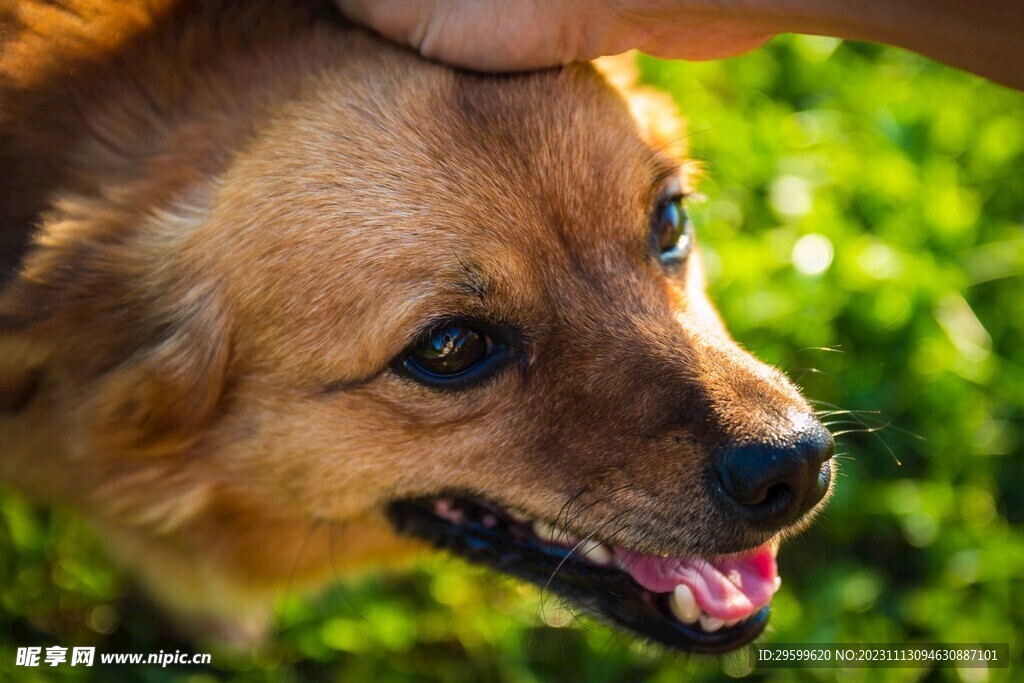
(487, 35)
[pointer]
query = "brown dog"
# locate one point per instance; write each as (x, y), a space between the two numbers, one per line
(301, 299)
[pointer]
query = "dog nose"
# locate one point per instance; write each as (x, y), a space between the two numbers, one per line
(774, 483)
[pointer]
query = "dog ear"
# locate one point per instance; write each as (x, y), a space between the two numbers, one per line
(161, 398)
(654, 111)
(151, 395)
(20, 377)
(134, 347)
(94, 315)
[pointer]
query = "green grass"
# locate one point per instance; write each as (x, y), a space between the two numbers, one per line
(912, 176)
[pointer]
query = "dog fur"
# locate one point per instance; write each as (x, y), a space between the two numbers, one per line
(243, 214)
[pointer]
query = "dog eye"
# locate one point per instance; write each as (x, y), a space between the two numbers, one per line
(453, 355)
(671, 230)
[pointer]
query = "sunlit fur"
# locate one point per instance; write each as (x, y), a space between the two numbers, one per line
(244, 217)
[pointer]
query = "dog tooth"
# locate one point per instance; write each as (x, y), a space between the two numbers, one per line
(710, 623)
(544, 531)
(446, 509)
(595, 552)
(684, 605)
(778, 582)
(732, 622)
(563, 537)
(549, 533)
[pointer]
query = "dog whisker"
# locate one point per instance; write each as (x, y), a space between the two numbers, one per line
(831, 349)
(568, 505)
(862, 430)
(839, 423)
(817, 371)
(830, 413)
(289, 583)
(554, 573)
(872, 429)
(331, 530)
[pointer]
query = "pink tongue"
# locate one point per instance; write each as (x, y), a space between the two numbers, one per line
(727, 587)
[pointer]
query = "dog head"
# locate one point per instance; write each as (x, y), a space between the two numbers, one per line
(473, 303)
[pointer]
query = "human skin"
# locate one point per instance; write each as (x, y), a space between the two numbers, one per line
(985, 37)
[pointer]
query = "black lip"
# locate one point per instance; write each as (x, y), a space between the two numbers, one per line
(604, 592)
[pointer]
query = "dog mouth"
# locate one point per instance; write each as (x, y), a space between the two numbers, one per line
(701, 605)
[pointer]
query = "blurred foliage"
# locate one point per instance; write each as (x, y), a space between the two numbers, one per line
(862, 229)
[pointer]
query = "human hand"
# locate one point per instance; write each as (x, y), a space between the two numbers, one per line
(500, 35)
(983, 36)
